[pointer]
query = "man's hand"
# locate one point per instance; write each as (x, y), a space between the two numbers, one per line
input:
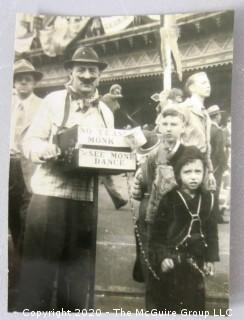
(209, 268)
(51, 151)
(167, 264)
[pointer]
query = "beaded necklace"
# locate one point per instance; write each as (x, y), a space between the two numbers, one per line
(138, 237)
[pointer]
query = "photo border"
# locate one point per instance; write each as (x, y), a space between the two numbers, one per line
(8, 9)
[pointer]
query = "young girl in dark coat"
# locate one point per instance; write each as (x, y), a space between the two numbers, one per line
(183, 240)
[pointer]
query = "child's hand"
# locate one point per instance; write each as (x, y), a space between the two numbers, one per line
(209, 268)
(167, 264)
(136, 191)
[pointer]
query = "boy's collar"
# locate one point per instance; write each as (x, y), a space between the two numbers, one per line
(197, 102)
(188, 194)
(171, 150)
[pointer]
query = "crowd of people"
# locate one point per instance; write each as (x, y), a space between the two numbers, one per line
(51, 211)
(178, 185)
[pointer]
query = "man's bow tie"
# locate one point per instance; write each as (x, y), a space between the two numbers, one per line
(84, 104)
(75, 96)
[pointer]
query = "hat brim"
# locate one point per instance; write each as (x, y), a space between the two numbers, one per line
(215, 112)
(101, 65)
(116, 95)
(36, 74)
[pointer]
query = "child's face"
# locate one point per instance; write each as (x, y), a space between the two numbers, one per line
(171, 127)
(191, 175)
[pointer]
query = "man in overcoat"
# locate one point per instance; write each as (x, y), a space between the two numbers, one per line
(218, 149)
(25, 104)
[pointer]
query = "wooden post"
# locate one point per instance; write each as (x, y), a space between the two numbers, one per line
(168, 68)
(169, 49)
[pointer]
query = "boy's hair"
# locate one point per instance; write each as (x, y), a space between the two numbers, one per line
(189, 154)
(190, 80)
(173, 111)
(175, 92)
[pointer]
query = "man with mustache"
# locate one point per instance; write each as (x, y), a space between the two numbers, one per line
(61, 227)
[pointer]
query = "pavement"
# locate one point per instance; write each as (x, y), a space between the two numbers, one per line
(115, 256)
(115, 287)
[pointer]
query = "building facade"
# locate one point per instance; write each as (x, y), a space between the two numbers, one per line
(133, 55)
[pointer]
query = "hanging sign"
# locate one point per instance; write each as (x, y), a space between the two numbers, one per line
(116, 24)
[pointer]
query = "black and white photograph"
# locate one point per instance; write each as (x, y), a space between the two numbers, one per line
(120, 164)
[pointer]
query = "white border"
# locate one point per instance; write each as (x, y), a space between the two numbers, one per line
(8, 8)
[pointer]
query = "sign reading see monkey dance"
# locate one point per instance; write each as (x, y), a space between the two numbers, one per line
(102, 149)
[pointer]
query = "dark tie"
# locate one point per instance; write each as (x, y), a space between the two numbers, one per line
(83, 106)
(20, 117)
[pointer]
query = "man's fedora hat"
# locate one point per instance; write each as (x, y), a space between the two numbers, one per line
(213, 110)
(85, 55)
(23, 66)
(116, 91)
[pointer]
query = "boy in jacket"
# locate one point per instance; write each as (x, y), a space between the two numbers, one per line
(154, 178)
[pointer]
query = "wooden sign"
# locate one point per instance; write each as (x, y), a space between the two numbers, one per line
(102, 137)
(107, 159)
(99, 149)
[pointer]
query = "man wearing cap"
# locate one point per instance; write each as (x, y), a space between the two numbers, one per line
(121, 118)
(60, 226)
(25, 105)
(218, 153)
(111, 98)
